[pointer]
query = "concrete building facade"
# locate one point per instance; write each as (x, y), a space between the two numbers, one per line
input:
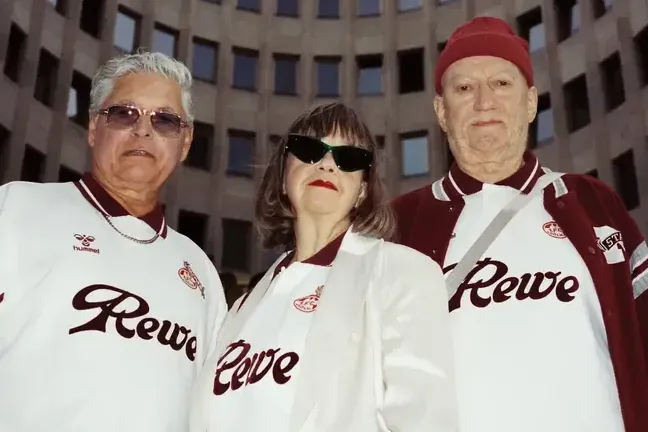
(259, 63)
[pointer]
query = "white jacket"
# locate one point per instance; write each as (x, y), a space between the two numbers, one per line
(378, 355)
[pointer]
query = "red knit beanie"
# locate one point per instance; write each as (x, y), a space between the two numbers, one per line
(484, 36)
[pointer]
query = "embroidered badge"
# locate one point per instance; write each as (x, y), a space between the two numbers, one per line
(309, 303)
(190, 279)
(554, 230)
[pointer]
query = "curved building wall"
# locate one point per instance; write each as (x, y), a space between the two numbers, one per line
(257, 69)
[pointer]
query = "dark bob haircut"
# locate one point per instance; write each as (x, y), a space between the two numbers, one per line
(274, 213)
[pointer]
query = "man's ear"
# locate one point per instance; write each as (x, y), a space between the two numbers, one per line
(439, 109)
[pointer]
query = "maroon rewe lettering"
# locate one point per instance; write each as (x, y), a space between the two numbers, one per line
(236, 368)
(494, 275)
(126, 309)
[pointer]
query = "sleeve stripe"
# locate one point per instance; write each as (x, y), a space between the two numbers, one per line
(639, 269)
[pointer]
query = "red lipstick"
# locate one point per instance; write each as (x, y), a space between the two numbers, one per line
(323, 183)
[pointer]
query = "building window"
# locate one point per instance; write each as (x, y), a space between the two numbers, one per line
(382, 165)
(68, 175)
(205, 60)
(531, 28)
(127, 26)
(91, 16)
(33, 165)
(593, 173)
(576, 103)
(368, 7)
(15, 52)
(541, 130)
(328, 9)
(241, 153)
(248, 5)
(567, 18)
(369, 74)
(200, 151)
(600, 7)
(408, 5)
(414, 147)
(60, 6)
(641, 54)
(46, 77)
(194, 226)
(328, 76)
(625, 179)
(612, 77)
(245, 68)
(165, 40)
(288, 8)
(285, 74)
(5, 136)
(411, 77)
(441, 46)
(236, 244)
(212, 1)
(79, 100)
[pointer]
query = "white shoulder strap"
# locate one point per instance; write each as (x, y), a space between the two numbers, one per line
(459, 273)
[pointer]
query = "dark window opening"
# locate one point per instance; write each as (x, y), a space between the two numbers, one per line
(240, 153)
(531, 28)
(576, 103)
(328, 9)
(593, 173)
(15, 52)
(236, 244)
(194, 226)
(68, 175)
(46, 77)
(285, 74)
(91, 14)
(78, 109)
(165, 40)
(411, 76)
(288, 8)
(625, 179)
(441, 46)
(541, 129)
(567, 18)
(369, 74)
(600, 7)
(245, 69)
(640, 43)
(328, 76)
(612, 76)
(5, 137)
(248, 5)
(200, 151)
(205, 60)
(33, 165)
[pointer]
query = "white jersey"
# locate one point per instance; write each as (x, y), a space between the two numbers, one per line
(256, 378)
(98, 332)
(530, 343)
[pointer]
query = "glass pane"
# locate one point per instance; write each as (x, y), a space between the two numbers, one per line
(72, 108)
(204, 62)
(536, 37)
(245, 71)
(545, 125)
(369, 81)
(164, 42)
(124, 38)
(329, 9)
(415, 156)
(368, 7)
(407, 5)
(248, 4)
(327, 79)
(239, 160)
(287, 7)
(575, 18)
(285, 76)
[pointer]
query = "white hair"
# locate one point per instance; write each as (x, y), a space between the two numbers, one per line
(140, 62)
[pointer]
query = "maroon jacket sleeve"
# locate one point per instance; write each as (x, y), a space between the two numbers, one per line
(636, 252)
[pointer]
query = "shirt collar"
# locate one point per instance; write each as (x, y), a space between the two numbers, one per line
(323, 258)
(458, 184)
(100, 199)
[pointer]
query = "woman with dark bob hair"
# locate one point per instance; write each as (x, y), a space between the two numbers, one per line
(346, 331)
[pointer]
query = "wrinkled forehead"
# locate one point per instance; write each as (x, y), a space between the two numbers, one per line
(148, 91)
(481, 67)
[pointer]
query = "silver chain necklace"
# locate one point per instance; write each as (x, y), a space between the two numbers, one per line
(133, 239)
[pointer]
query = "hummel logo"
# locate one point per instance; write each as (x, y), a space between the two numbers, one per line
(85, 241)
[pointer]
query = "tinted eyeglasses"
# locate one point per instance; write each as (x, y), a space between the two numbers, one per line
(312, 150)
(164, 123)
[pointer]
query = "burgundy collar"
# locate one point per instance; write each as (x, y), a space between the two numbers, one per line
(458, 184)
(100, 199)
(323, 258)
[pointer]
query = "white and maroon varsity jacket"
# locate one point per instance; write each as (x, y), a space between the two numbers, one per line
(607, 300)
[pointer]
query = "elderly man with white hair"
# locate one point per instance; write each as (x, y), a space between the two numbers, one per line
(548, 272)
(106, 313)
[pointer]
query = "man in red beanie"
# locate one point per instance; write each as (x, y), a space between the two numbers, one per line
(547, 273)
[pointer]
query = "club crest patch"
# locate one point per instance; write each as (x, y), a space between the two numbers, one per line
(309, 303)
(190, 279)
(553, 230)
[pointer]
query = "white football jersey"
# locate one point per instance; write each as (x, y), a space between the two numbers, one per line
(98, 332)
(530, 343)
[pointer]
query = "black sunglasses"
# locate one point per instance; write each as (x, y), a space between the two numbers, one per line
(312, 150)
(166, 124)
